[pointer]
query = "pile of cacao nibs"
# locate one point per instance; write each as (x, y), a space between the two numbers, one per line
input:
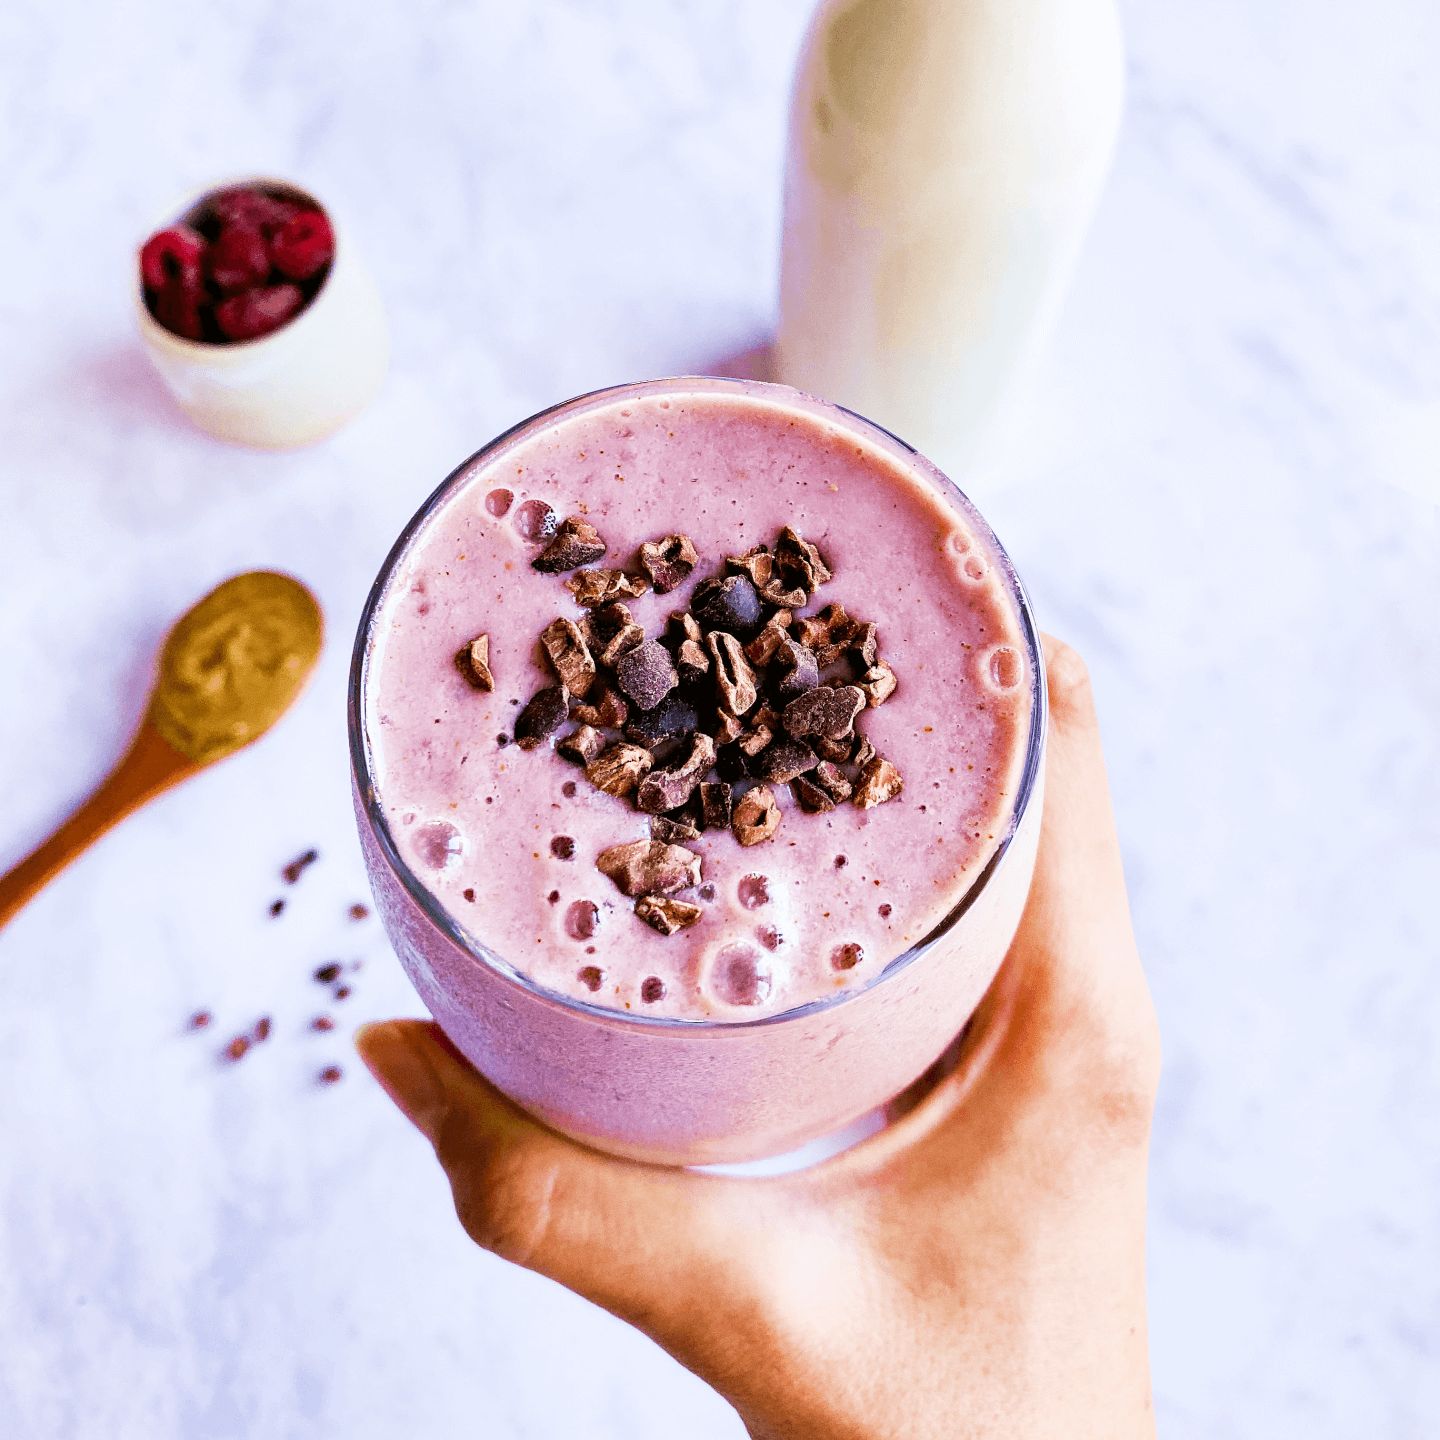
(699, 726)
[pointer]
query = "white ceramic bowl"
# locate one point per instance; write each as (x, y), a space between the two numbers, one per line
(296, 385)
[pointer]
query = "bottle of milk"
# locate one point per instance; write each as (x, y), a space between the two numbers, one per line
(944, 160)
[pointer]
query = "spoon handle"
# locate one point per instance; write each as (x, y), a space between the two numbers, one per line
(147, 768)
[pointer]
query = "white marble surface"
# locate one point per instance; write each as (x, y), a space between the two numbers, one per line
(1225, 493)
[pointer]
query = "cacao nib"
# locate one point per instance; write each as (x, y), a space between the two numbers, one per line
(473, 662)
(879, 781)
(545, 712)
(715, 802)
(794, 669)
(668, 562)
(784, 761)
(666, 915)
(673, 718)
(734, 677)
(569, 656)
(730, 603)
(575, 543)
(619, 768)
(592, 588)
(822, 789)
(827, 710)
(649, 867)
(671, 787)
(756, 816)
(646, 674)
(878, 683)
(581, 745)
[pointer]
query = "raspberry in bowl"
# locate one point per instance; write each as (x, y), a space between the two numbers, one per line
(258, 314)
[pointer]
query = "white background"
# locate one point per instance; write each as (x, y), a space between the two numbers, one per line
(1224, 494)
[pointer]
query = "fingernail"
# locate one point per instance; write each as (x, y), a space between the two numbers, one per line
(395, 1055)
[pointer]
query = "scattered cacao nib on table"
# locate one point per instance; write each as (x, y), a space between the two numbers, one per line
(700, 725)
(298, 866)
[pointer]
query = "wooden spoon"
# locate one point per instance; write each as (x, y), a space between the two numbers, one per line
(230, 667)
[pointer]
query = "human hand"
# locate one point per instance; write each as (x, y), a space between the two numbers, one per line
(975, 1270)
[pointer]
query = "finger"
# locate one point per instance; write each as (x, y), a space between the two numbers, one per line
(661, 1248)
(1071, 999)
(1076, 925)
(1069, 1013)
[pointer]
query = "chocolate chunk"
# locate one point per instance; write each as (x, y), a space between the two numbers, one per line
(672, 786)
(581, 745)
(794, 669)
(627, 638)
(569, 655)
(668, 562)
(801, 560)
(784, 760)
(755, 739)
(756, 816)
(619, 768)
(734, 677)
(878, 683)
(822, 789)
(670, 831)
(864, 640)
(546, 711)
(760, 650)
(646, 673)
(864, 751)
(666, 916)
(473, 662)
(765, 574)
(827, 710)
(592, 588)
(649, 867)
(672, 718)
(715, 804)
(576, 542)
(879, 781)
(607, 710)
(730, 603)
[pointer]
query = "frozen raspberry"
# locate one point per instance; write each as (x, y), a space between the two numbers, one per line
(238, 259)
(172, 257)
(254, 313)
(252, 208)
(178, 311)
(304, 247)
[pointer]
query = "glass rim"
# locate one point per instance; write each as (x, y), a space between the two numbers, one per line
(449, 926)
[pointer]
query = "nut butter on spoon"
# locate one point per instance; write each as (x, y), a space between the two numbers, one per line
(229, 669)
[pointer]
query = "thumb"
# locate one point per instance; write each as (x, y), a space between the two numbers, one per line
(1071, 1008)
(640, 1240)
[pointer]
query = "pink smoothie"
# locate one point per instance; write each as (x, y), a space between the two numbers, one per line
(506, 840)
